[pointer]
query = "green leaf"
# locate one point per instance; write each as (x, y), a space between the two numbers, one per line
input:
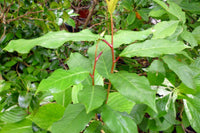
(196, 34)
(164, 29)
(50, 40)
(173, 9)
(75, 91)
(153, 48)
(74, 120)
(61, 80)
(63, 98)
(104, 63)
(78, 60)
(188, 37)
(24, 126)
(117, 122)
(13, 115)
(138, 112)
(119, 103)
(92, 97)
(131, 18)
(157, 12)
(156, 72)
(192, 110)
(134, 88)
(184, 72)
(47, 115)
(127, 37)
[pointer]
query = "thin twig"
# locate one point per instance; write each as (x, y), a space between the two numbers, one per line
(90, 14)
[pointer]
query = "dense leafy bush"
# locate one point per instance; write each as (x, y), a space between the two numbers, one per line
(139, 73)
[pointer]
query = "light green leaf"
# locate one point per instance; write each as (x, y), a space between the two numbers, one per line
(24, 99)
(127, 37)
(78, 60)
(131, 18)
(111, 5)
(61, 80)
(119, 103)
(188, 37)
(63, 98)
(184, 72)
(196, 34)
(134, 87)
(50, 40)
(156, 72)
(157, 12)
(192, 110)
(74, 120)
(153, 48)
(47, 115)
(173, 9)
(117, 122)
(164, 29)
(75, 91)
(24, 126)
(104, 63)
(13, 115)
(92, 97)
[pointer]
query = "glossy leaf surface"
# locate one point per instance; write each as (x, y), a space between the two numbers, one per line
(134, 88)
(74, 120)
(153, 48)
(62, 79)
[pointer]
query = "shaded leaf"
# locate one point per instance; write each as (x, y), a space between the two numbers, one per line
(24, 99)
(131, 18)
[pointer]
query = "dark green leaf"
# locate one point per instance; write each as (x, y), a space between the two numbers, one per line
(131, 18)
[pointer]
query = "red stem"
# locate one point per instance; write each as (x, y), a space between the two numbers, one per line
(107, 43)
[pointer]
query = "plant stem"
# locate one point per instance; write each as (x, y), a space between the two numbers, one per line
(113, 57)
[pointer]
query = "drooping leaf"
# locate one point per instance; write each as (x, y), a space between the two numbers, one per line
(119, 103)
(138, 112)
(62, 79)
(184, 72)
(92, 97)
(196, 34)
(24, 126)
(117, 122)
(14, 115)
(173, 9)
(51, 40)
(153, 48)
(63, 98)
(74, 120)
(134, 88)
(192, 110)
(47, 115)
(164, 29)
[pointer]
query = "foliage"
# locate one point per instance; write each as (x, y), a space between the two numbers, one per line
(140, 75)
